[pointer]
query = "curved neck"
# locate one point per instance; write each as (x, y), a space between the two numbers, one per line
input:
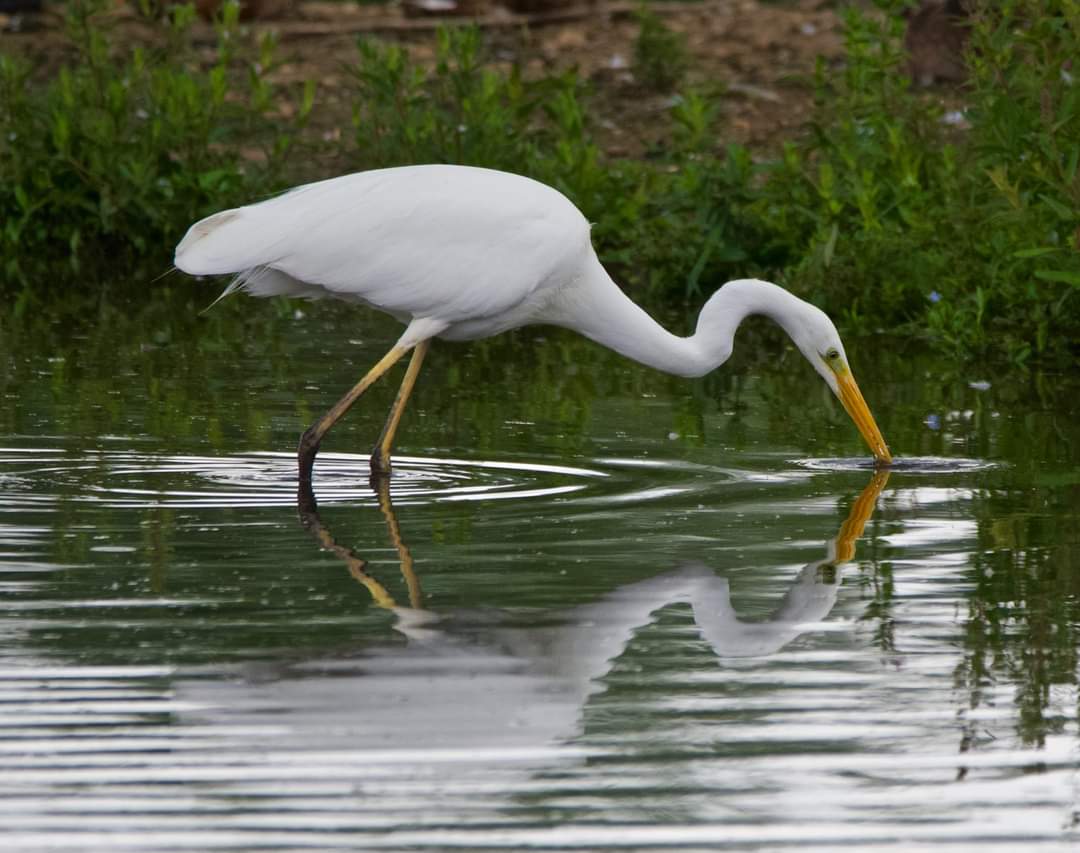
(595, 307)
(735, 301)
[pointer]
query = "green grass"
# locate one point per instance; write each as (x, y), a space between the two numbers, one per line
(661, 59)
(109, 161)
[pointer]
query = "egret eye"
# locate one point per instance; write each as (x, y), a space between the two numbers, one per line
(832, 354)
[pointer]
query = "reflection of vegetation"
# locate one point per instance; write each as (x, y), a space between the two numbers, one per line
(878, 613)
(1024, 615)
(891, 209)
(147, 369)
(239, 379)
(165, 370)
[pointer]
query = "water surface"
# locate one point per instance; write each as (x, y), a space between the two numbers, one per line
(599, 608)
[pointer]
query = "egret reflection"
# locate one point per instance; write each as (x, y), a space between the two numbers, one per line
(590, 636)
(478, 686)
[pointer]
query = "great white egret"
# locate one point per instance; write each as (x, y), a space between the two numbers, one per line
(462, 253)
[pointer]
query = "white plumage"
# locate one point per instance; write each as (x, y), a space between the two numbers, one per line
(463, 253)
(404, 241)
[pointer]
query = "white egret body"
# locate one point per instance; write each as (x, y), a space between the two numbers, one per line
(462, 253)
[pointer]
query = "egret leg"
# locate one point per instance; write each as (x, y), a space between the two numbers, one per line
(380, 454)
(312, 437)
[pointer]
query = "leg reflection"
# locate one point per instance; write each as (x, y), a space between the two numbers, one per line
(308, 509)
(412, 582)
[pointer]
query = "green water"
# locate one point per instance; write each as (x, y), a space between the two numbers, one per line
(600, 608)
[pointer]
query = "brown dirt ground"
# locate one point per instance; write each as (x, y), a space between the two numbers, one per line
(760, 55)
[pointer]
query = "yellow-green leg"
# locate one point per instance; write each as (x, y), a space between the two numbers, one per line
(380, 454)
(312, 437)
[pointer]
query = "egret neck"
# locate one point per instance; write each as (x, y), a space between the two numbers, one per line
(596, 307)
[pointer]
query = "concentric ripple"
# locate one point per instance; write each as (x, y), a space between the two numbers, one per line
(126, 478)
(209, 680)
(901, 464)
(129, 478)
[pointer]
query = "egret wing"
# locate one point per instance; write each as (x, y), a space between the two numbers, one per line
(425, 241)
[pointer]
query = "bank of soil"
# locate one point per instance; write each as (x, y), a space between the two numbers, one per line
(757, 56)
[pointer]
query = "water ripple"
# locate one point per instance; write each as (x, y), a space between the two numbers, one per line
(564, 686)
(902, 464)
(130, 479)
(133, 479)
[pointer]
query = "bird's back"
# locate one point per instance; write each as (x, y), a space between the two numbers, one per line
(455, 243)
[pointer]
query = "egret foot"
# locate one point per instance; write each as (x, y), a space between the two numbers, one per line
(380, 466)
(305, 453)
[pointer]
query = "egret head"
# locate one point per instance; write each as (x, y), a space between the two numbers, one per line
(817, 339)
(808, 327)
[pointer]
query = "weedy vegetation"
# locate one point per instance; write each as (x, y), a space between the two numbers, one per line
(959, 227)
(963, 227)
(108, 161)
(661, 59)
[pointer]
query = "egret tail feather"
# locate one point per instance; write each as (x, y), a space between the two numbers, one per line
(232, 287)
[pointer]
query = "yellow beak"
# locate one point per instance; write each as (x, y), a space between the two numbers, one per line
(853, 401)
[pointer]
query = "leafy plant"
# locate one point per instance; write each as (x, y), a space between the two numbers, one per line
(960, 228)
(661, 59)
(460, 112)
(892, 218)
(862, 190)
(1025, 144)
(122, 149)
